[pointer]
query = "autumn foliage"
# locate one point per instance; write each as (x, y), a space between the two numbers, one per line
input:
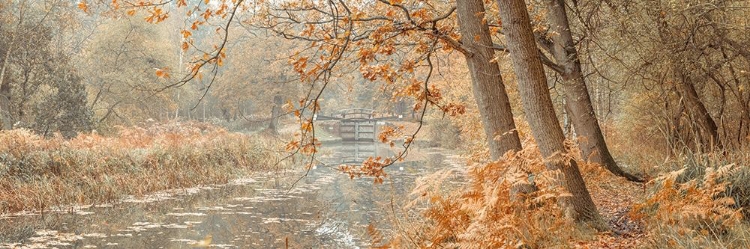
(661, 86)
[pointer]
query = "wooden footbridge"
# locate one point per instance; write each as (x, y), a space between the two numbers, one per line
(357, 124)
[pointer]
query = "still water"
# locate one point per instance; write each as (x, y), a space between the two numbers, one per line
(325, 209)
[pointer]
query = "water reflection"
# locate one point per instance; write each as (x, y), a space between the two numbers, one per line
(355, 152)
(325, 209)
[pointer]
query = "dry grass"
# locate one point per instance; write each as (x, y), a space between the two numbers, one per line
(686, 205)
(37, 173)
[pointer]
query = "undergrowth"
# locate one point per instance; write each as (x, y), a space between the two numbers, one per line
(38, 173)
(700, 205)
(695, 201)
(490, 211)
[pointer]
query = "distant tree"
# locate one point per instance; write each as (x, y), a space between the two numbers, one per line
(684, 80)
(39, 88)
(118, 67)
(66, 111)
(253, 81)
(591, 140)
(682, 64)
(26, 69)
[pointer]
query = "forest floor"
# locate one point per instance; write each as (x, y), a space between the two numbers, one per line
(615, 199)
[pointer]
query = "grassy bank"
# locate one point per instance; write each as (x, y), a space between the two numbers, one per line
(37, 173)
(691, 201)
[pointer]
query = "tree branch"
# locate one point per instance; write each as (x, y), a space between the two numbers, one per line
(545, 60)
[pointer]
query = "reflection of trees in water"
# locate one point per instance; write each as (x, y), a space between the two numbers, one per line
(345, 210)
(266, 233)
(359, 202)
(350, 202)
(353, 152)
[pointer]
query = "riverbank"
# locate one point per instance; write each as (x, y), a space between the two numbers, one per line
(38, 173)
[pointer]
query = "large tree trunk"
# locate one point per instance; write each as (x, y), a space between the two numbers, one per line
(590, 138)
(487, 82)
(540, 112)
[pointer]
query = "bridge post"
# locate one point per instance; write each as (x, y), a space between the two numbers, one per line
(356, 131)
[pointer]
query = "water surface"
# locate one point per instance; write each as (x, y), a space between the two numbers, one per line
(326, 209)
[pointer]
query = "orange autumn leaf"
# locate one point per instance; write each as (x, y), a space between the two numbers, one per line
(83, 6)
(157, 15)
(185, 33)
(162, 73)
(307, 126)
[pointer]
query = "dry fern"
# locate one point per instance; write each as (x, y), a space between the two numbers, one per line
(694, 209)
(483, 213)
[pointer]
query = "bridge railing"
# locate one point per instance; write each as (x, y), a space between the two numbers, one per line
(357, 124)
(356, 113)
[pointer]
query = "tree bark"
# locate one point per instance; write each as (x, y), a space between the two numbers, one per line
(487, 82)
(590, 139)
(540, 112)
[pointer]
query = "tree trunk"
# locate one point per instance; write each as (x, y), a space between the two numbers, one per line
(540, 112)
(487, 82)
(744, 105)
(275, 113)
(6, 118)
(708, 131)
(5, 115)
(590, 138)
(5, 101)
